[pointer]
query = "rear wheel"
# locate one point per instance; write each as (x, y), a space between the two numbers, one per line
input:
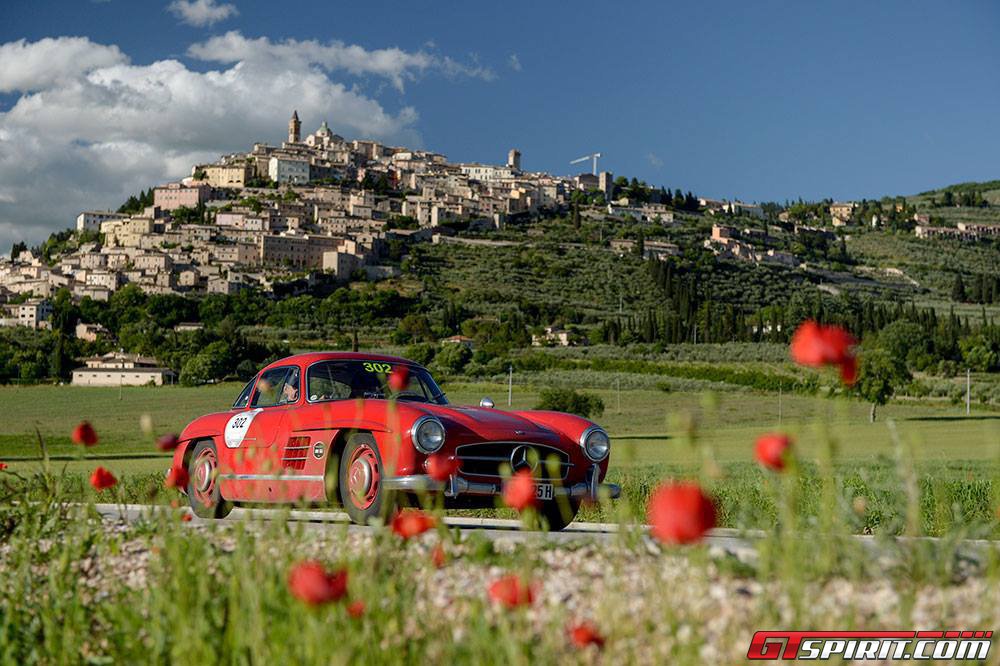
(558, 513)
(362, 480)
(203, 487)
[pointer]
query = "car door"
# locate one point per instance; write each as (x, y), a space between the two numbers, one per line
(254, 435)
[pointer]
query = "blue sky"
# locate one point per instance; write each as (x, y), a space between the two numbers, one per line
(756, 100)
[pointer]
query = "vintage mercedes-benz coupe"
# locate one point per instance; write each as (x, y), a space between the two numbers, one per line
(359, 430)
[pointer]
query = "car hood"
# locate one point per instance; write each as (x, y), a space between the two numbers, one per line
(493, 424)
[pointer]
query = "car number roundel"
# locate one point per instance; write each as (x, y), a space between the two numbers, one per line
(237, 426)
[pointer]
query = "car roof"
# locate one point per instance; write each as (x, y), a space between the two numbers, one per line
(308, 358)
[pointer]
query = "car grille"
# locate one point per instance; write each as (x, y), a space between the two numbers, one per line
(296, 453)
(488, 458)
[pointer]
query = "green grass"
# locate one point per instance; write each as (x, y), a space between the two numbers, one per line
(655, 434)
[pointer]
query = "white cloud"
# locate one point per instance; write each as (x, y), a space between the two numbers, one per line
(394, 64)
(90, 127)
(201, 13)
(27, 66)
(654, 160)
(514, 62)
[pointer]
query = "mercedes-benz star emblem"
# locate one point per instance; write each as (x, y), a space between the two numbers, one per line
(520, 458)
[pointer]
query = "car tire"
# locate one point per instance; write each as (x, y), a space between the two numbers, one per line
(361, 477)
(557, 514)
(203, 486)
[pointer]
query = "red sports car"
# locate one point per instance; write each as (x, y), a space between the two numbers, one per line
(358, 430)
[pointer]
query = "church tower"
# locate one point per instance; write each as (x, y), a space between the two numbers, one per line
(293, 128)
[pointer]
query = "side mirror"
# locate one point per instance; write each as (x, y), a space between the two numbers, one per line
(486, 402)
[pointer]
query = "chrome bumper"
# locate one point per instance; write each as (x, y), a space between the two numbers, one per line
(455, 486)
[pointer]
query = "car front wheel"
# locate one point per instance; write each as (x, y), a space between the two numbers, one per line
(362, 480)
(203, 486)
(557, 514)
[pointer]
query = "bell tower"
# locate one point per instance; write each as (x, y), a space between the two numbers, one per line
(294, 126)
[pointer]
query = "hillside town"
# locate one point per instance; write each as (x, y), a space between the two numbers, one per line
(322, 204)
(315, 203)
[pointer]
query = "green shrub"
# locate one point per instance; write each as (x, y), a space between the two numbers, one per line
(571, 402)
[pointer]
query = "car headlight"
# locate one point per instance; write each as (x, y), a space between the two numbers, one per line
(596, 443)
(427, 434)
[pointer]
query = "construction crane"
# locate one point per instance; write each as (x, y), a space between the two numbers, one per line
(593, 156)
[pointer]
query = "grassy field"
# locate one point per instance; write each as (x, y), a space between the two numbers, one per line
(648, 426)
(656, 435)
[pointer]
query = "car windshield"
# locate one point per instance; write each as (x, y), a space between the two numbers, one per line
(343, 380)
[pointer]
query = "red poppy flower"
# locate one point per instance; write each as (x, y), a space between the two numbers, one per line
(3, 466)
(583, 634)
(186, 518)
(102, 479)
(177, 478)
(849, 370)
(680, 513)
(399, 378)
(815, 345)
(310, 583)
(168, 442)
(356, 608)
(84, 434)
(440, 467)
(409, 523)
(512, 592)
(519, 492)
(771, 450)
(438, 556)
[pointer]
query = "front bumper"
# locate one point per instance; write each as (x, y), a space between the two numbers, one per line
(455, 486)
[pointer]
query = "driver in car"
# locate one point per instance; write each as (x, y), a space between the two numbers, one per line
(289, 392)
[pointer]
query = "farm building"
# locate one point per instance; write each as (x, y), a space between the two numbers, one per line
(113, 369)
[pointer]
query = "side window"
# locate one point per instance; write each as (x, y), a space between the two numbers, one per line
(244, 398)
(275, 386)
(329, 381)
(290, 391)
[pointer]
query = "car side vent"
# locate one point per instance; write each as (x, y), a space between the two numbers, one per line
(296, 453)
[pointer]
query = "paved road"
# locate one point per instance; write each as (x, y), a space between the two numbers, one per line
(739, 543)
(734, 541)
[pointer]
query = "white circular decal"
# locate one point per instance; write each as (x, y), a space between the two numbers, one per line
(236, 428)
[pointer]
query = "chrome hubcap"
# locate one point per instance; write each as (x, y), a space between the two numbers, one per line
(361, 476)
(203, 478)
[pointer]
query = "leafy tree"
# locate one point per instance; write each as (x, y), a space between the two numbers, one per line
(979, 353)
(879, 375)
(905, 341)
(452, 358)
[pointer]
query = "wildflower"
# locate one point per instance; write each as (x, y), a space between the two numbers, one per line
(511, 591)
(772, 450)
(102, 479)
(438, 556)
(177, 478)
(167, 442)
(519, 492)
(816, 345)
(3, 466)
(409, 523)
(399, 378)
(310, 583)
(583, 634)
(441, 467)
(84, 434)
(680, 513)
(186, 518)
(356, 608)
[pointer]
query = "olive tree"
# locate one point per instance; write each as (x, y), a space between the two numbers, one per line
(879, 375)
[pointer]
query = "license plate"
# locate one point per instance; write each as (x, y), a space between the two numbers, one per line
(543, 491)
